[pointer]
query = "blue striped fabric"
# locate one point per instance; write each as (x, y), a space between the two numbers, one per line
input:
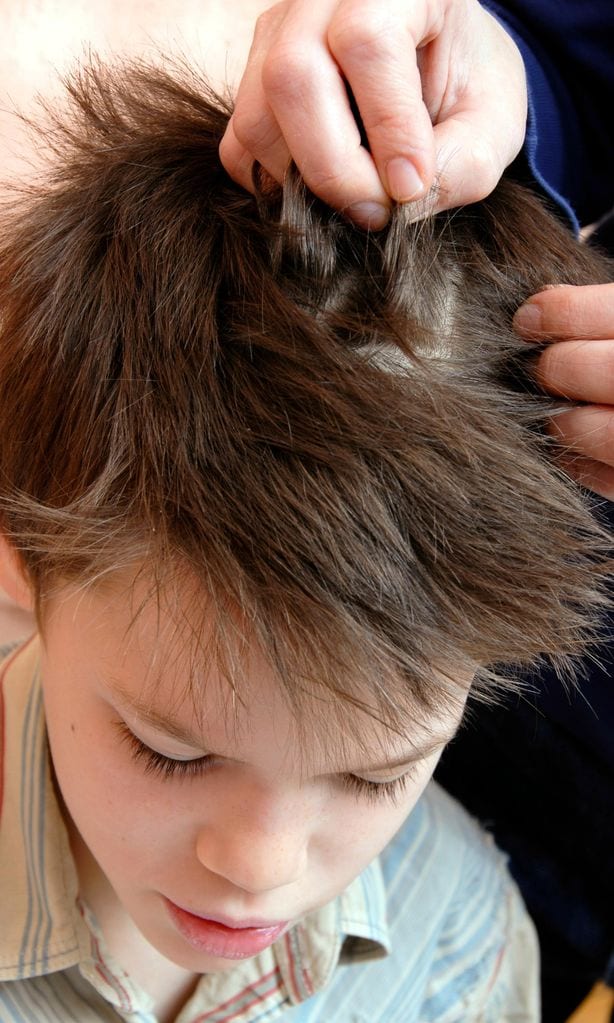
(432, 931)
(453, 919)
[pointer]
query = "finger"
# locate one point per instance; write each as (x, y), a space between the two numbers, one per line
(306, 92)
(475, 142)
(580, 370)
(253, 132)
(480, 121)
(375, 48)
(470, 162)
(587, 430)
(236, 159)
(263, 141)
(568, 312)
(592, 475)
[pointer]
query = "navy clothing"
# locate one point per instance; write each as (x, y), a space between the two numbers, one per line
(540, 770)
(568, 50)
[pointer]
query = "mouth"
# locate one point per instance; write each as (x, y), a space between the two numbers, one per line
(222, 937)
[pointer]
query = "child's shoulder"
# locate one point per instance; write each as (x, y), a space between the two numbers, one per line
(461, 946)
(6, 649)
(455, 914)
(18, 682)
(19, 661)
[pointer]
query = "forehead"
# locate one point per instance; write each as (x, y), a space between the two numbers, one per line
(157, 655)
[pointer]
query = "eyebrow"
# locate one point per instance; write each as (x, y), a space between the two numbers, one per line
(162, 723)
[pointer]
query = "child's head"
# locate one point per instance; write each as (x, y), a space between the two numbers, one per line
(276, 482)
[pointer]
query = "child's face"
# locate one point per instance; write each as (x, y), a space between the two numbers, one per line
(239, 824)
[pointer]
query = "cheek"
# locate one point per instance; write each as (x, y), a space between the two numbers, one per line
(111, 802)
(364, 828)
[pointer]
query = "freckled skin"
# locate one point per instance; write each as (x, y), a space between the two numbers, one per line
(265, 832)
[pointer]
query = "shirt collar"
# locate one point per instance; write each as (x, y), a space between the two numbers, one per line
(41, 930)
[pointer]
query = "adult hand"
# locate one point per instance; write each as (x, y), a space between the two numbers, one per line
(579, 366)
(439, 84)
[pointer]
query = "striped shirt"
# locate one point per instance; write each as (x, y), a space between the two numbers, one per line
(434, 930)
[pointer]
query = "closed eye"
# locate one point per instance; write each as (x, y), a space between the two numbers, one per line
(374, 791)
(156, 763)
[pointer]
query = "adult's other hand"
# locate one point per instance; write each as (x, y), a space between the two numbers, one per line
(439, 84)
(578, 365)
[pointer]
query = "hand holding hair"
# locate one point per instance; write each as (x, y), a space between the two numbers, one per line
(579, 365)
(439, 85)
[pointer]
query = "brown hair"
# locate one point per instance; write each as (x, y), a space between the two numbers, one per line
(331, 429)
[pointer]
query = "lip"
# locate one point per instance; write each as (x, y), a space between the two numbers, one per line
(222, 937)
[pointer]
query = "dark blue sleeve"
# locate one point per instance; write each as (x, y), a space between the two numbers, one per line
(568, 49)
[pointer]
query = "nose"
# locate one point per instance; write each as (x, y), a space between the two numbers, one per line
(253, 853)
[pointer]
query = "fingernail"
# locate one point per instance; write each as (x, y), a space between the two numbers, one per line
(404, 182)
(369, 214)
(528, 319)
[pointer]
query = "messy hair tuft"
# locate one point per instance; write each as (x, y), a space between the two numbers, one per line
(330, 431)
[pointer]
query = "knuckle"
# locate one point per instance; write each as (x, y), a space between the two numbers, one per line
(485, 172)
(286, 71)
(598, 300)
(558, 370)
(553, 370)
(324, 181)
(227, 151)
(268, 20)
(328, 182)
(392, 125)
(252, 128)
(486, 165)
(590, 431)
(367, 33)
(236, 162)
(560, 310)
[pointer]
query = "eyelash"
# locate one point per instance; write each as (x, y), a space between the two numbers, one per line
(378, 791)
(157, 764)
